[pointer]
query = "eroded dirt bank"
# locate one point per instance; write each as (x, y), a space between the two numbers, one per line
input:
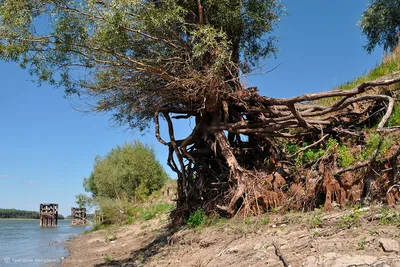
(363, 237)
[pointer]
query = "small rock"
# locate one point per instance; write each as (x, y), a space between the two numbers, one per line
(389, 245)
(369, 239)
(232, 250)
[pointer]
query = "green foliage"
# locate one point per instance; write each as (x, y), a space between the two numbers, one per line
(380, 22)
(292, 148)
(376, 145)
(351, 219)
(197, 218)
(130, 51)
(345, 158)
(84, 201)
(130, 171)
(312, 154)
(361, 244)
(372, 232)
(122, 211)
(108, 259)
(317, 221)
(21, 214)
(389, 216)
(115, 211)
(265, 220)
(145, 213)
(394, 119)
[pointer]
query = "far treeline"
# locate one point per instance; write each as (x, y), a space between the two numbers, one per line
(21, 214)
(154, 63)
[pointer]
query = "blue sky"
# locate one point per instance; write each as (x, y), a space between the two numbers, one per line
(46, 147)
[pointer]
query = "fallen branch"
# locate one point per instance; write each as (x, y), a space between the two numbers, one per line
(279, 254)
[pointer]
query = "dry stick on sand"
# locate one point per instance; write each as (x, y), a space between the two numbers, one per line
(279, 254)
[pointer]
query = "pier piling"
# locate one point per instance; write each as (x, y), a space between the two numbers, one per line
(78, 216)
(48, 215)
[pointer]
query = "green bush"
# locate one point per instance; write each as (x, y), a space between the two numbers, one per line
(394, 119)
(376, 146)
(130, 171)
(345, 158)
(197, 218)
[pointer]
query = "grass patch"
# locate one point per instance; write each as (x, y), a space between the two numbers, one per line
(349, 220)
(146, 213)
(317, 221)
(361, 244)
(389, 216)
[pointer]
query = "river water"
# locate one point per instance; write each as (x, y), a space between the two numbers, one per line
(25, 243)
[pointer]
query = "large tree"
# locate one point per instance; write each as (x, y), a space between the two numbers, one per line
(183, 59)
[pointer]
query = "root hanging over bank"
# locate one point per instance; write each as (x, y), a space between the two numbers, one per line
(248, 154)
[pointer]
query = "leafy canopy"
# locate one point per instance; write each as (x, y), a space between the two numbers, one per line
(130, 171)
(137, 57)
(380, 23)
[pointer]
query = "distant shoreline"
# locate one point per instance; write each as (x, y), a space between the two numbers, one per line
(8, 219)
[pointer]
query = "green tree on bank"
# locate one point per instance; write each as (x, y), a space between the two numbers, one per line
(121, 180)
(130, 171)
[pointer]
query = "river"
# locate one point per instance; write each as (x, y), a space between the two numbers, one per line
(25, 243)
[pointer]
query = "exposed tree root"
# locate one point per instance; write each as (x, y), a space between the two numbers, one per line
(237, 158)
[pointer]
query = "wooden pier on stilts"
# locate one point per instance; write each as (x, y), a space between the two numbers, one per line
(78, 216)
(48, 215)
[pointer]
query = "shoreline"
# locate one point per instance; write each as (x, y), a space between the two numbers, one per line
(63, 259)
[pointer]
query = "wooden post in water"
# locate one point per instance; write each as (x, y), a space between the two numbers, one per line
(48, 215)
(78, 216)
(99, 218)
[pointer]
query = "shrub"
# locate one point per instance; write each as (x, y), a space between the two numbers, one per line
(345, 158)
(130, 171)
(197, 218)
(376, 146)
(394, 119)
